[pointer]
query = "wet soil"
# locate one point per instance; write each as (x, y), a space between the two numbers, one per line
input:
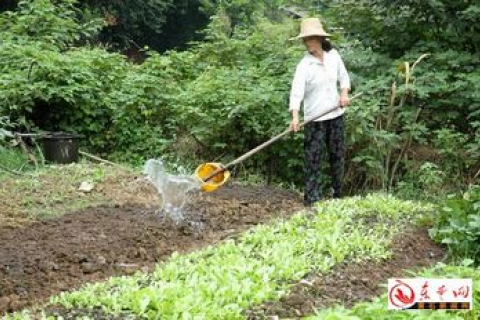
(47, 257)
(351, 283)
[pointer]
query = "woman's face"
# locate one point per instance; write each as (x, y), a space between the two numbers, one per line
(313, 43)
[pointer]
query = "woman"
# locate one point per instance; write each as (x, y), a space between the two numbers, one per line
(315, 83)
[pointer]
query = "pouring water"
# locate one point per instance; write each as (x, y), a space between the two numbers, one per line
(174, 189)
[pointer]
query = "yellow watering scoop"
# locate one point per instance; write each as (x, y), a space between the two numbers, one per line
(213, 175)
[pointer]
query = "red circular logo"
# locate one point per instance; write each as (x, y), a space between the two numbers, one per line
(401, 295)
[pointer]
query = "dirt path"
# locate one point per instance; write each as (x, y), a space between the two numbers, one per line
(47, 257)
(350, 283)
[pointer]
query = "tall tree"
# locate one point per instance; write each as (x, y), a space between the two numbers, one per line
(394, 26)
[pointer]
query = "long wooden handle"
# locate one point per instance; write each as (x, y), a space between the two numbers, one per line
(271, 141)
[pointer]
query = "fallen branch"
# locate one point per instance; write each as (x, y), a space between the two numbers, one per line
(96, 158)
(10, 170)
(476, 176)
(23, 146)
(203, 145)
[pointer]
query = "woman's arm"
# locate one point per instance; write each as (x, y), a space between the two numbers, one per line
(297, 93)
(344, 80)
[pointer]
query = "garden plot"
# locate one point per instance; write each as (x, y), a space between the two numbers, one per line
(48, 257)
(247, 270)
(245, 249)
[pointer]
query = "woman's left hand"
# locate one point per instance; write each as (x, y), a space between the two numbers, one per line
(344, 100)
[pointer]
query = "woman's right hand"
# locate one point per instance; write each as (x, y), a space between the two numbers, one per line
(294, 124)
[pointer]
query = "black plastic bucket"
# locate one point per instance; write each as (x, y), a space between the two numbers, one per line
(61, 147)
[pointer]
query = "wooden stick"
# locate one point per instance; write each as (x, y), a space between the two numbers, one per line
(10, 170)
(91, 156)
(271, 141)
(28, 135)
(476, 175)
(24, 147)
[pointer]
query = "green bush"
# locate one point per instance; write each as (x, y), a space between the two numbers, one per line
(458, 225)
(439, 105)
(229, 93)
(52, 23)
(395, 27)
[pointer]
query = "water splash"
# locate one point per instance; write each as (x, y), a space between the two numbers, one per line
(173, 188)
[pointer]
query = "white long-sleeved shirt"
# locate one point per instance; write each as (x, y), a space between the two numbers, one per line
(315, 83)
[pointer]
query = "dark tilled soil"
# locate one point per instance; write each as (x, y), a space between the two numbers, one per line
(48, 257)
(351, 283)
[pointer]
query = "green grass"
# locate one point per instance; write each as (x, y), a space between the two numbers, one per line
(13, 160)
(219, 282)
(53, 190)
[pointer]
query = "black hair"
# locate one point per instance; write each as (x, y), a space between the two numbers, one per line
(326, 44)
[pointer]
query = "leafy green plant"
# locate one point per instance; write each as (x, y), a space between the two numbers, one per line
(54, 23)
(458, 225)
(43, 83)
(10, 159)
(424, 182)
(438, 98)
(450, 144)
(396, 28)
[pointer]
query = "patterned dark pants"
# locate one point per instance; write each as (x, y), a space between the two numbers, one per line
(316, 133)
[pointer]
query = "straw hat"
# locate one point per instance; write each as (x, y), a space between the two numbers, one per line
(311, 27)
